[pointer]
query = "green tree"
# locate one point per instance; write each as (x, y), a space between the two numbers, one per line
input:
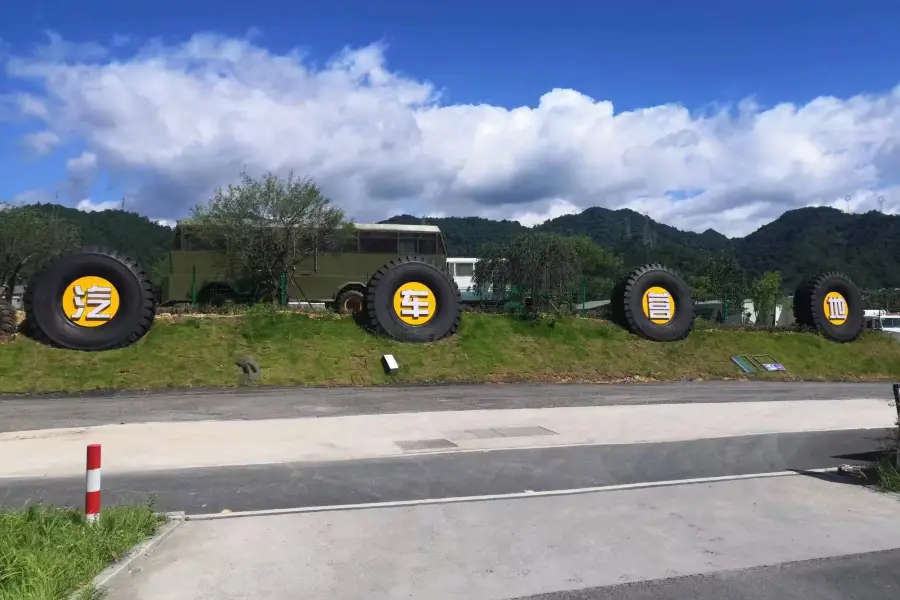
(266, 227)
(29, 237)
(764, 292)
(544, 269)
(702, 287)
(160, 268)
(727, 281)
(600, 267)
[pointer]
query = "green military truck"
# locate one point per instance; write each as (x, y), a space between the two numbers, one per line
(338, 278)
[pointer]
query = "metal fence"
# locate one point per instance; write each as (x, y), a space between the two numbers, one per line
(224, 297)
(571, 301)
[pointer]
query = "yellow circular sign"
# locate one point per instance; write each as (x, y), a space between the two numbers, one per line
(90, 301)
(414, 303)
(835, 307)
(659, 306)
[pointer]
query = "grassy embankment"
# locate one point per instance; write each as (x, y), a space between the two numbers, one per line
(323, 349)
(50, 553)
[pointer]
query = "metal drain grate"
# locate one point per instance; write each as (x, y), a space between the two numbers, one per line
(523, 431)
(438, 444)
(499, 432)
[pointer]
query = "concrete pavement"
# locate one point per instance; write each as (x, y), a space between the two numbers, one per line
(430, 476)
(141, 447)
(27, 413)
(280, 449)
(502, 549)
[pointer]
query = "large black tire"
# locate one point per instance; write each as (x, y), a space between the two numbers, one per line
(637, 283)
(351, 302)
(617, 304)
(386, 283)
(802, 295)
(47, 318)
(8, 325)
(850, 320)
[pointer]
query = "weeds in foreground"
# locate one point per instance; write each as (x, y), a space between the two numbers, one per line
(48, 553)
(888, 476)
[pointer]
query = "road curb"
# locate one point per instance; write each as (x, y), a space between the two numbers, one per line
(125, 393)
(174, 520)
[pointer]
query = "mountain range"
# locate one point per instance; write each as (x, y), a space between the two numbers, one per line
(799, 243)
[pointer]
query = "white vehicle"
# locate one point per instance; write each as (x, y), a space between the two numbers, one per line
(462, 270)
(881, 320)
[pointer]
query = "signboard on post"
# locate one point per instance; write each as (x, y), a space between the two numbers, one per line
(743, 364)
(763, 362)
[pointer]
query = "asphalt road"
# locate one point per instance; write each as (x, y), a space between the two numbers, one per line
(28, 413)
(871, 576)
(263, 487)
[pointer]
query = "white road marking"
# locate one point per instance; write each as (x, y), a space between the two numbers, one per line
(489, 497)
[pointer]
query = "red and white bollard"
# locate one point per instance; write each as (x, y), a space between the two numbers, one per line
(92, 484)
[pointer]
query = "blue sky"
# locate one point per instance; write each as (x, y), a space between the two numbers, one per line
(697, 53)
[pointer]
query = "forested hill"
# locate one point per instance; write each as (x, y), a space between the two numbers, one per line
(799, 243)
(144, 240)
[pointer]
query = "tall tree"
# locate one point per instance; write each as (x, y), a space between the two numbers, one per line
(266, 227)
(600, 267)
(544, 269)
(727, 281)
(702, 287)
(29, 237)
(764, 292)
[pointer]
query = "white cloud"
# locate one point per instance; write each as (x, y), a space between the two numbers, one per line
(41, 142)
(173, 121)
(88, 205)
(80, 175)
(35, 196)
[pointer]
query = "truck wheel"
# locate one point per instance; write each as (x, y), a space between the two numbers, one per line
(350, 302)
(90, 299)
(412, 300)
(658, 305)
(215, 295)
(836, 307)
(8, 325)
(802, 296)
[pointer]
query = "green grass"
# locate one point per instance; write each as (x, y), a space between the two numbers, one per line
(50, 553)
(323, 349)
(888, 476)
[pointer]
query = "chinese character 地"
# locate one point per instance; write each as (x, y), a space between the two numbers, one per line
(412, 304)
(837, 308)
(97, 298)
(659, 306)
